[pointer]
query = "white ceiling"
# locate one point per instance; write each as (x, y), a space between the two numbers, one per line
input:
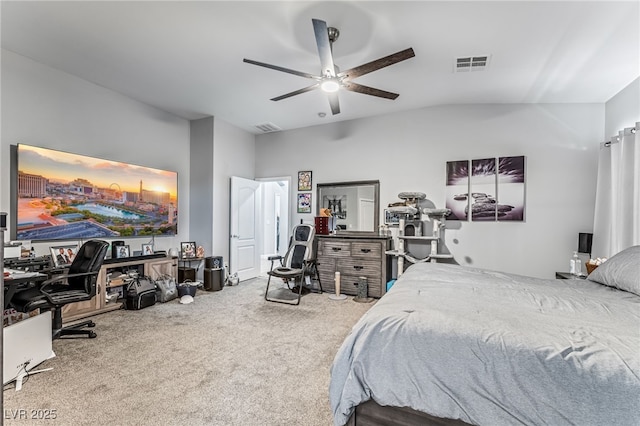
(186, 57)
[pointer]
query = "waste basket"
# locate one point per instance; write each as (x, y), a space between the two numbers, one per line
(213, 273)
(213, 279)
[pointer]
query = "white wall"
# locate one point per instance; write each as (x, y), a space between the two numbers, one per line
(45, 107)
(622, 110)
(233, 155)
(408, 152)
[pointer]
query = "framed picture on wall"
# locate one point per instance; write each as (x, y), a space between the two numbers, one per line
(304, 203)
(304, 181)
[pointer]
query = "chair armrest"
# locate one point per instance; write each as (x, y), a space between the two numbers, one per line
(274, 258)
(59, 278)
(63, 277)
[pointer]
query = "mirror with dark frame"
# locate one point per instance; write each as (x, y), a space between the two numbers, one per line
(355, 205)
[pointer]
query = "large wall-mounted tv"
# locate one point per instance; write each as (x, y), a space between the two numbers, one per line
(64, 196)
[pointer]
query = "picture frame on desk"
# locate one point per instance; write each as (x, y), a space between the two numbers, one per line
(62, 256)
(147, 249)
(188, 250)
(122, 252)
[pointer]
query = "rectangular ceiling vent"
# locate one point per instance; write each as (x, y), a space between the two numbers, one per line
(267, 127)
(471, 63)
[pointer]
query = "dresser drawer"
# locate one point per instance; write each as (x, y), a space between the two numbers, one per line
(348, 285)
(366, 250)
(359, 267)
(328, 282)
(335, 248)
(326, 265)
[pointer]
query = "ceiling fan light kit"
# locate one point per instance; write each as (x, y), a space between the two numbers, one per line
(330, 85)
(331, 80)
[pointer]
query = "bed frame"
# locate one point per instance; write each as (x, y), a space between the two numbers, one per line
(371, 414)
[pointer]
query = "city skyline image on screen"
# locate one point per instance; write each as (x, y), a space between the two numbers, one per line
(65, 196)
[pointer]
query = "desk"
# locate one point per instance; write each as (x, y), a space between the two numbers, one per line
(20, 280)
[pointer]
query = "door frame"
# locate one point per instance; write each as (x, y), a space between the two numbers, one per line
(286, 227)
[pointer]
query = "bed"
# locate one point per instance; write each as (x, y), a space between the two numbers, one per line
(451, 344)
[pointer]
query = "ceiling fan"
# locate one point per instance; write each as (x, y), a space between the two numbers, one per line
(331, 79)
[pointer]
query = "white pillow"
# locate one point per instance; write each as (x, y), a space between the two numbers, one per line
(621, 271)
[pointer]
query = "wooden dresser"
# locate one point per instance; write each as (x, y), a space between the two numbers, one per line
(354, 257)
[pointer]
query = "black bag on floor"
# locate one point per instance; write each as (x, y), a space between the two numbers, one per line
(141, 293)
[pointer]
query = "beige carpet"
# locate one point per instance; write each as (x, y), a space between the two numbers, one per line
(230, 358)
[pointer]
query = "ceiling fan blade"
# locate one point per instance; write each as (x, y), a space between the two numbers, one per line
(334, 102)
(377, 64)
(355, 87)
(297, 92)
(324, 47)
(287, 70)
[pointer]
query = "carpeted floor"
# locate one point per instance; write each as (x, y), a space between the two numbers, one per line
(230, 358)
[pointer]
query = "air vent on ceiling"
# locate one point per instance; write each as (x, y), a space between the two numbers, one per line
(267, 127)
(471, 63)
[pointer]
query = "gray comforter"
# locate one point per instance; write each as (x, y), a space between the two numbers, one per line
(491, 348)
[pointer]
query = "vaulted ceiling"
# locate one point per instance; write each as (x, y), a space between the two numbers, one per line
(187, 57)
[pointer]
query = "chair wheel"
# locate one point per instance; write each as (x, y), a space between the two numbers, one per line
(91, 324)
(92, 335)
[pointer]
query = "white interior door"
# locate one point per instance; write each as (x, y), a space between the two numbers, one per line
(244, 234)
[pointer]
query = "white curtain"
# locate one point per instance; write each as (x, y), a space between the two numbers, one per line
(617, 214)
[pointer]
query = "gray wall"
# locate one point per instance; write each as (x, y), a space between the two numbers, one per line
(233, 155)
(622, 110)
(201, 189)
(218, 151)
(45, 107)
(408, 152)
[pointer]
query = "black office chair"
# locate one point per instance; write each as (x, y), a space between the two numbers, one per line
(298, 262)
(78, 285)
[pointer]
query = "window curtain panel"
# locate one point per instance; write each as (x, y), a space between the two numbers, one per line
(617, 213)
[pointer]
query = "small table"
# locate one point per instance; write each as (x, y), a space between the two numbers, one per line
(186, 271)
(569, 276)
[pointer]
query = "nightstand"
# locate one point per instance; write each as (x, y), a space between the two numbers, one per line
(568, 276)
